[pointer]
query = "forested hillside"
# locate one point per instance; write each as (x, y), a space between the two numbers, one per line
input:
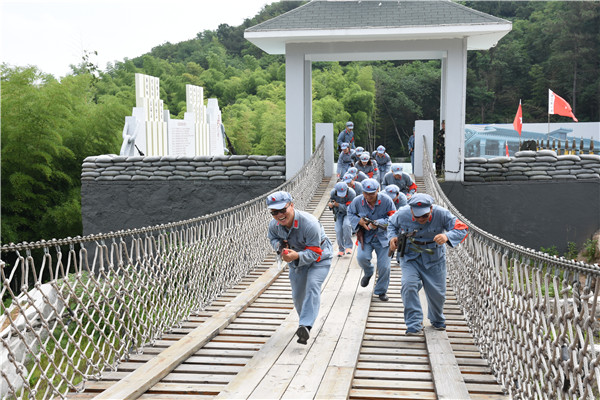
(50, 126)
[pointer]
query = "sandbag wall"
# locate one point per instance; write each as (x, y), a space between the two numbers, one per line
(533, 165)
(155, 168)
(133, 192)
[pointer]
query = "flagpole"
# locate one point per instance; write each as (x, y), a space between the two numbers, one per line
(548, 123)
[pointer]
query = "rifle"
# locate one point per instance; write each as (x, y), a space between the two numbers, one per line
(403, 239)
(375, 223)
(360, 233)
(282, 248)
(333, 208)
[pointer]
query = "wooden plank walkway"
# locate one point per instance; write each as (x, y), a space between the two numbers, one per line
(357, 347)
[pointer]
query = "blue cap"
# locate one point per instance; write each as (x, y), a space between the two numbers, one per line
(352, 170)
(359, 150)
(370, 185)
(392, 190)
(341, 189)
(364, 156)
(397, 169)
(350, 124)
(348, 177)
(344, 146)
(278, 200)
(420, 203)
(381, 149)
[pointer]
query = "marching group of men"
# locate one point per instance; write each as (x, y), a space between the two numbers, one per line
(378, 202)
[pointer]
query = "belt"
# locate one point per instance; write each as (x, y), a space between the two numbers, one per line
(422, 243)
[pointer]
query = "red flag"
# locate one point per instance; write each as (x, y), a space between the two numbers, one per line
(558, 105)
(518, 122)
(507, 155)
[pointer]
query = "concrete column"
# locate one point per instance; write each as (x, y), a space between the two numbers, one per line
(482, 147)
(326, 130)
(443, 91)
(501, 148)
(456, 84)
(422, 129)
(307, 110)
(295, 118)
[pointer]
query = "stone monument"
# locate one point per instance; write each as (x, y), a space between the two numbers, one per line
(153, 132)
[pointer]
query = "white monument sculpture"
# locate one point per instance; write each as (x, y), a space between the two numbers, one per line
(214, 127)
(151, 130)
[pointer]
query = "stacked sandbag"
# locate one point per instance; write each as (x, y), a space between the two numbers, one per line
(527, 165)
(110, 167)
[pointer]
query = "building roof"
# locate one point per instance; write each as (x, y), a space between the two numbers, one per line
(327, 20)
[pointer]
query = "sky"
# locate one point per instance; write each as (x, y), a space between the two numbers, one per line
(53, 34)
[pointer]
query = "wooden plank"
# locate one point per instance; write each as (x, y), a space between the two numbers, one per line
(337, 382)
(271, 389)
(375, 366)
(393, 384)
(176, 377)
(313, 367)
(400, 375)
(185, 388)
(487, 396)
(447, 378)
(260, 365)
(475, 388)
(390, 394)
(295, 354)
(132, 386)
(173, 396)
(391, 358)
(190, 367)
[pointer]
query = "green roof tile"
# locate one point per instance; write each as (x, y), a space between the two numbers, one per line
(322, 14)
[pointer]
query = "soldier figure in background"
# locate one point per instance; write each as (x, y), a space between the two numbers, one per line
(340, 198)
(369, 215)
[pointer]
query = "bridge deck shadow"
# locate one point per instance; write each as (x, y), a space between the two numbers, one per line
(357, 347)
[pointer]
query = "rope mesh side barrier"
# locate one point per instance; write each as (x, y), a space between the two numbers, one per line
(533, 316)
(74, 307)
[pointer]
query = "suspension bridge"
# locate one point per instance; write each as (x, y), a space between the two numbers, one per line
(201, 309)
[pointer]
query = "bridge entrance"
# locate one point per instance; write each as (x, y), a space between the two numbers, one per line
(376, 30)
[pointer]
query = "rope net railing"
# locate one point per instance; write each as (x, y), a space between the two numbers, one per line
(533, 316)
(74, 307)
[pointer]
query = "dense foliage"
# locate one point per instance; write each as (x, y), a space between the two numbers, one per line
(50, 126)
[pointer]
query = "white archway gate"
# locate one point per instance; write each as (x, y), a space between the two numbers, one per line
(376, 30)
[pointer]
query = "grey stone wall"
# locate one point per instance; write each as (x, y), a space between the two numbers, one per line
(133, 192)
(532, 213)
(542, 165)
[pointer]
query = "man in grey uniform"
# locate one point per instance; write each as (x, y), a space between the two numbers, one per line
(303, 244)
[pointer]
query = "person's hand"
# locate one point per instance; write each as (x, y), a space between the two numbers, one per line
(440, 238)
(364, 224)
(393, 244)
(289, 255)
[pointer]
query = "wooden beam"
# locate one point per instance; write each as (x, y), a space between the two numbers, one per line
(142, 379)
(447, 379)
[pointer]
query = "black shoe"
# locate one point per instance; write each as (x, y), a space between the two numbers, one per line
(365, 281)
(383, 297)
(303, 334)
(439, 327)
